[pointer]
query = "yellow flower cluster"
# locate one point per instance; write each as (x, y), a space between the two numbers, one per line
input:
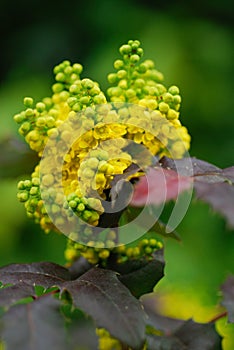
(94, 252)
(106, 342)
(141, 111)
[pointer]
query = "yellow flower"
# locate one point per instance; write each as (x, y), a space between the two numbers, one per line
(142, 112)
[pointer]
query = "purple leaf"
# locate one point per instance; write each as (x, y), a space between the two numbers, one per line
(12, 294)
(34, 326)
(142, 279)
(178, 334)
(188, 166)
(101, 295)
(45, 274)
(213, 185)
(220, 196)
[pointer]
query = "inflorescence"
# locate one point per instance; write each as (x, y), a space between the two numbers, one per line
(102, 152)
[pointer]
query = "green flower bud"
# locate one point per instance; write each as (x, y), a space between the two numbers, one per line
(172, 114)
(112, 78)
(77, 68)
(53, 133)
(74, 77)
(125, 49)
(25, 127)
(66, 63)
(40, 107)
(163, 107)
(87, 83)
(161, 89)
(148, 250)
(19, 118)
(73, 204)
(114, 91)
(81, 207)
(144, 242)
(104, 254)
(94, 217)
(64, 95)
(135, 44)
(139, 83)
(118, 64)
(29, 112)
(48, 102)
(110, 244)
(94, 203)
(94, 91)
(22, 196)
(140, 51)
(149, 64)
(142, 68)
(27, 184)
(71, 101)
(99, 99)
(71, 196)
(130, 93)
(122, 73)
(57, 87)
(177, 99)
(123, 84)
(76, 107)
(153, 243)
(75, 89)
(34, 191)
(57, 69)
(35, 181)
(129, 252)
(86, 215)
(50, 122)
(167, 97)
(174, 90)
(68, 70)
(20, 185)
(134, 58)
(155, 75)
(85, 100)
(28, 102)
(41, 121)
(61, 77)
(136, 252)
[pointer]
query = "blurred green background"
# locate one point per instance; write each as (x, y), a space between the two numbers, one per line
(191, 43)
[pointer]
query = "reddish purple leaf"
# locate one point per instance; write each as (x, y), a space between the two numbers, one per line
(212, 184)
(158, 186)
(101, 295)
(10, 295)
(178, 334)
(220, 196)
(189, 166)
(34, 326)
(44, 274)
